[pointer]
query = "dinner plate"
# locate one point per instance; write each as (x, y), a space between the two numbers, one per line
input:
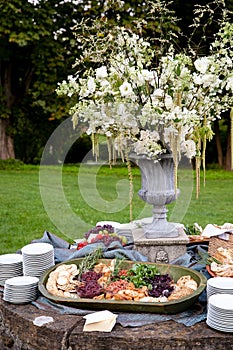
(219, 285)
(220, 312)
(11, 265)
(22, 281)
(37, 258)
(39, 249)
(169, 307)
(10, 259)
(21, 289)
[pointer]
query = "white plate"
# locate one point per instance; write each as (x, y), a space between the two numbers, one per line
(10, 259)
(11, 272)
(21, 280)
(38, 260)
(219, 328)
(222, 301)
(37, 248)
(19, 301)
(220, 282)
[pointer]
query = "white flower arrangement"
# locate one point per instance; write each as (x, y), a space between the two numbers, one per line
(154, 108)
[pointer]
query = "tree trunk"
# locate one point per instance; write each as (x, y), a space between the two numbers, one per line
(6, 141)
(228, 150)
(218, 143)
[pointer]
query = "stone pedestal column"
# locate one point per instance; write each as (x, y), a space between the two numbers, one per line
(161, 250)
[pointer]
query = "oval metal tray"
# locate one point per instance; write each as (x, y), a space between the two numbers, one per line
(170, 307)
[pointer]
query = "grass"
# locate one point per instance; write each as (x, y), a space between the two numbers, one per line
(69, 200)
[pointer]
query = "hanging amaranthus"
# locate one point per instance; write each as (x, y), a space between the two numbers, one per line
(129, 168)
(198, 167)
(206, 134)
(95, 145)
(231, 116)
(110, 157)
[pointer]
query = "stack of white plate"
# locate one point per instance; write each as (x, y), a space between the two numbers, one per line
(20, 289)
(220, 312)
(219, 285)
(37, 258)
(11, 265)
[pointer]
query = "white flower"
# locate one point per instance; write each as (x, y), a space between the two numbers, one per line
(168, 102)
(105, 83)
(169, 133)
(145, 76)
(209, 80)
(91, 85)
(171, 100)
(126, 89)
(148, 144)
(101, 73)
(188, 147)
(229, 84)
(158, 93)
(202, 64)
(197, 79)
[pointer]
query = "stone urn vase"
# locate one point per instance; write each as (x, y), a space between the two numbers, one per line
(157, 189)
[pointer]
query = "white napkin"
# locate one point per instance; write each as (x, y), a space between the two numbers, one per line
(101, 321)
(220, 231)
(41, 320)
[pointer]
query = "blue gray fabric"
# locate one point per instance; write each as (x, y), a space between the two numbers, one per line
(63, 253)
(192, 259)
(194, 314)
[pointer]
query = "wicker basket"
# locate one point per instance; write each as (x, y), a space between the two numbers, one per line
(216, 242)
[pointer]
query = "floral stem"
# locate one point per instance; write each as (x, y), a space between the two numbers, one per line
(175, 177)
(203, 160)
(197, 176)
(231, 116)
(204, 153)
(130, 186)
(198, 167)
(95, 145)
(109, 152)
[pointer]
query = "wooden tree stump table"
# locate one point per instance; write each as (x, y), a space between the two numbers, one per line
(17, 332)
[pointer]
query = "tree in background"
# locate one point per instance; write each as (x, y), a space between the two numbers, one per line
(37, 50)
(35, 44)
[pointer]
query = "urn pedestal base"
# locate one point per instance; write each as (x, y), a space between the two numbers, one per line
(158, 189)
(161, 250)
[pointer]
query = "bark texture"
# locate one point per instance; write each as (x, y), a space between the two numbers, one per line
(6, 141)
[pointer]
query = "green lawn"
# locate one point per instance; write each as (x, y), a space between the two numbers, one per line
(34, 199)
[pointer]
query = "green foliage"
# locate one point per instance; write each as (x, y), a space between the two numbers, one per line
(11, 164)
(139, 274)
(38, 50)
(35, 55)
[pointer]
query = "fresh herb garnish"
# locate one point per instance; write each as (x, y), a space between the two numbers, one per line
(89, 262)
(207, 259)
(117, 266)
(140, 273)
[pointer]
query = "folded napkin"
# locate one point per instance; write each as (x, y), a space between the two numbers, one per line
(101, 321)
(41, 320)
(220, 231)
